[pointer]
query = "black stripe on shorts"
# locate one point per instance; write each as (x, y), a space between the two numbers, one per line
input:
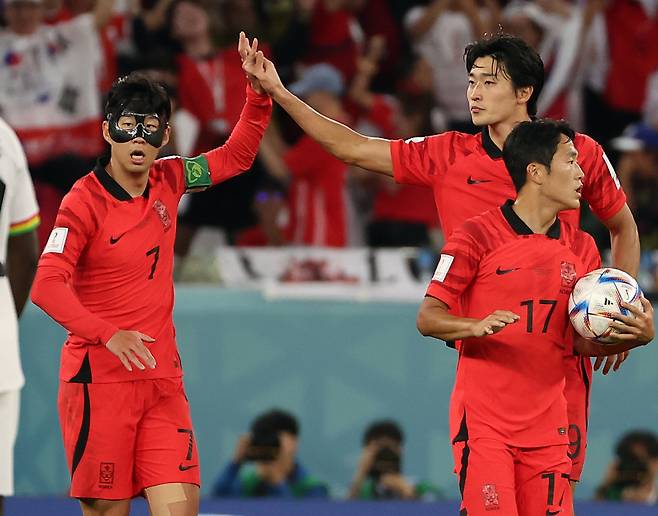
(83, 436)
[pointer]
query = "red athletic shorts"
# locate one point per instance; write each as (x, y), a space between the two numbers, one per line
(578, 373)
(121, 438)
(498, 479)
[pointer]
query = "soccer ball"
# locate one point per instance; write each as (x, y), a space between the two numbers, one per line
(595, 299)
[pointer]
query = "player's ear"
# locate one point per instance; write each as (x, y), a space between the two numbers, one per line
(106, 132)
(167, 133)
(523, 94)
(535, 174)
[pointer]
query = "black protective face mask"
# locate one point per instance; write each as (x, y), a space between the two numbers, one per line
(137, 129)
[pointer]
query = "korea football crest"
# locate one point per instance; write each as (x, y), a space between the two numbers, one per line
(161, 210)
(568, 274)
(490, 497)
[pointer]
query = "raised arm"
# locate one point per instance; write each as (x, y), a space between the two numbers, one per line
(419, 27)
(103, 13)
(338, 139)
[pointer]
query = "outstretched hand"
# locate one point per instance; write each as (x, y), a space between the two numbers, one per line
(494, 322)
(246, 51)
(262, 70)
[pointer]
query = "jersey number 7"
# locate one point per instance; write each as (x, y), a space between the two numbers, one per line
(156, 255)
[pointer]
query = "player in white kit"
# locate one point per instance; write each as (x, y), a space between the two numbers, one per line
(19, 253)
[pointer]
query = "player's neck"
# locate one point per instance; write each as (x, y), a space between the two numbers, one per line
(499, 131)
(539, 217)
(133, 183)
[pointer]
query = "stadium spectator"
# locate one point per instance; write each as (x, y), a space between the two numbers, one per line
(632, 475)
(650, 108)
(211, 86)
(288, 25)
(379, 473)
(439, 32)
(115, 35)
(559, 32)
(401, 215)
(19, 252)
(377, 19)
(632, 42)
(638, 172)
(265, 462)
(317, 202)
(49, 91)
(335, 36)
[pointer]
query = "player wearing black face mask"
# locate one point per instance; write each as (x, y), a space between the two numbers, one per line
(129, 125)
(106, 275)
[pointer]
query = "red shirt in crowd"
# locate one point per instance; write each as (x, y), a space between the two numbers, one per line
(512, 382)
(316, 195)
(212, 90)
(334, 39)
(633, 47)
(108, 264)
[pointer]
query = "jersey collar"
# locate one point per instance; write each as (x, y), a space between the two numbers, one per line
(489, 146)
(521, 228)
(112, 187)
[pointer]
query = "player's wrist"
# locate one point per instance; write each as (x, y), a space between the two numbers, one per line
(257, 97)
(107, 334)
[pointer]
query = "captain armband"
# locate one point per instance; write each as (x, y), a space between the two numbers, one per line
(197, 173)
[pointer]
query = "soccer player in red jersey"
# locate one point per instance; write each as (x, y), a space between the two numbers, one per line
(512, 269)
(106, 276)
(467, 174)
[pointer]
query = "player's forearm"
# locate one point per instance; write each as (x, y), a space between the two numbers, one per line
(103, 13)
(53, 295)
(239, 151)
(438, 323)
(427, 20)
(339, 140)
(625, 243)
(590, 348)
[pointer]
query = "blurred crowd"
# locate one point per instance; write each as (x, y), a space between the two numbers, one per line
(392, 68)
(266, 463)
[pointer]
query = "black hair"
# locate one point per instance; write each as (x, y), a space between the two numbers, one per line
(644, 438)
(383, 428)
(275, 421)
(138, 90)
(533, 142)
(514, 58)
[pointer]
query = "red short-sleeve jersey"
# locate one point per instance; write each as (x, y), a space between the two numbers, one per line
(512, 382)
(108, 263)
(468, 175)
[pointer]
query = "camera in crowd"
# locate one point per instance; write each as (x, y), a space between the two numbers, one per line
(266, 430)
(264, 446)
(386, 460)
(635, 451)
(634, 471)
